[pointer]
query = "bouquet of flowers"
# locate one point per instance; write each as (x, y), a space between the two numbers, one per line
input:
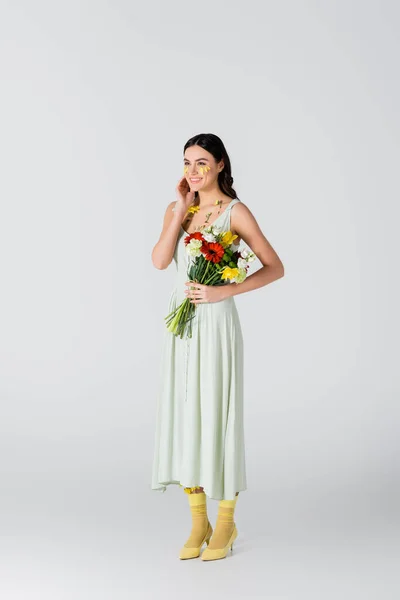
(214, 259)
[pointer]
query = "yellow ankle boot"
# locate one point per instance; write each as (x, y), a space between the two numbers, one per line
(225, 532)
(201, 526)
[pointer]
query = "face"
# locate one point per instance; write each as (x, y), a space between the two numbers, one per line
(200, 168)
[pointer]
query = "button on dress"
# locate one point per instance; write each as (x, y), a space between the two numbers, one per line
(199, 433)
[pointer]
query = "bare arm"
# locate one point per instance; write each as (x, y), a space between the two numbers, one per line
(245, 225)
(163, 251)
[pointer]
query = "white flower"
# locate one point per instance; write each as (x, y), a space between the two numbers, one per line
(242, 263)
(193, 247)
(241, 276)
(209, 237)
(216, 230)
(248, 255)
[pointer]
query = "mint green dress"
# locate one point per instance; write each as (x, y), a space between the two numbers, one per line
(199, 434)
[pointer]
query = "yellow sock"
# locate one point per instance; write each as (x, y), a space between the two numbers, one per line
(198, 508)
(225, 524)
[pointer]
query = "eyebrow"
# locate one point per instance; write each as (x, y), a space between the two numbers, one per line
(197, 159)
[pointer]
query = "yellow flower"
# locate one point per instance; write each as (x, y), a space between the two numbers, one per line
(227, 239)
(229, 273)
(193, 209)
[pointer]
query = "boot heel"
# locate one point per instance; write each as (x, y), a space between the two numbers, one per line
(211, 532)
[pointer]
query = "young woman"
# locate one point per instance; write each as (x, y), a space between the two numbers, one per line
(199, 439)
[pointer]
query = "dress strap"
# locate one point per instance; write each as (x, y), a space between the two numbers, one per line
(232, 203)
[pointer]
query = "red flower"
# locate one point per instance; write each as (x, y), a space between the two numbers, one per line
(213, 251)
(196, 235)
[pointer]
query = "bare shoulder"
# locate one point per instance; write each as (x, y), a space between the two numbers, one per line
(240, 211)
(169, 210)
(171, 206)
(240, 207)
(245, 224)
(168, 215)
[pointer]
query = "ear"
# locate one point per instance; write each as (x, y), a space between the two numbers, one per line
(220, 166)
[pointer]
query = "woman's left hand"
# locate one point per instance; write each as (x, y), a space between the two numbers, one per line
(205, 293)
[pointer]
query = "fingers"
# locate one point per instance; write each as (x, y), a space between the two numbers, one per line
(194, 293)
(196, 299)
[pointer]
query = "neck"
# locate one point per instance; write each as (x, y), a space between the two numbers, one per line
(207, 197)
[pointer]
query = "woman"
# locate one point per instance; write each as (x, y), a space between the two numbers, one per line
(199, 440)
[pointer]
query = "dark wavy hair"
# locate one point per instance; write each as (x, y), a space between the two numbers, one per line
(214, 145)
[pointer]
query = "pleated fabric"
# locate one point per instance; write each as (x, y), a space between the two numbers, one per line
(199, 433)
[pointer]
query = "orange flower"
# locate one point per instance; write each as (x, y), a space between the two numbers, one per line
(213, 251)
(196, 235)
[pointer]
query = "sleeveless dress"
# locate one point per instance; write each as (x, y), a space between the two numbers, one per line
(199, 434)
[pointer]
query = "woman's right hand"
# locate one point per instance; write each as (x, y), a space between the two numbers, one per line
(184, 197)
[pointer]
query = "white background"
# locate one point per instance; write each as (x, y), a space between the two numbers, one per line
(97, 101)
